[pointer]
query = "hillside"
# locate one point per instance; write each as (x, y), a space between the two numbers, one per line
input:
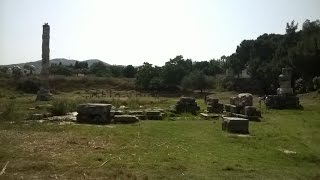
(63, 61)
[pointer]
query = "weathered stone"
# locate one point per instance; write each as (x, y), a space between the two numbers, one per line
(136, 112)
(209, 116)
(282, 102)
(125, 119)
(141, 117)
(94, 113)
(235, 125)
(234, 101)
(245, 99)
(285, 97)
(250, 111)
(212, 101)
(227, 107)
(44, 93)
(37, 116)
(214, 106)
(186, 105)
(235, 109)
(154, 115)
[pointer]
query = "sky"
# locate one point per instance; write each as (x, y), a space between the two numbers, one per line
(127, 32)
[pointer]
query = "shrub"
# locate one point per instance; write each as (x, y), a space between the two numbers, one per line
(29, 85)
(9, 113)
(62, 107)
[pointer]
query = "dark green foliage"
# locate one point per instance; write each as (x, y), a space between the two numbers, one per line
(196, 80)
(145, 74)
(62, 107)
(29, 85)
(265, 56)
(10, 111)
(100, 69)
(60, 70)
(116, 71)
(174, 71)
(81, 65)
(129, 71)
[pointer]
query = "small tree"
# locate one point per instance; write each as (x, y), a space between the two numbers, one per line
(197, 80)
(129, 71)
(99, 69)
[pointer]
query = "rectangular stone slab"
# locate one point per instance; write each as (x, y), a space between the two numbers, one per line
(125, 119)
(235, 125)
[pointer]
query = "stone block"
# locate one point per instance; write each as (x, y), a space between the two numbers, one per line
(136, 112)
(284, 91)
(209, 116)
(215, 109)
(125, 119)
(245, 99)
(154, 115)
(94, 113)
(235, 125)
(250, 111)
(227, 107)
(212, 101)
(235, 109)
(234, 100)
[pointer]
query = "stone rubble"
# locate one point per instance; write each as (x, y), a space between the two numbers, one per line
(186, 105)
(285, 97)
(213, 106)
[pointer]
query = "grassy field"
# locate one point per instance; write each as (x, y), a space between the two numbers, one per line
(184, 147)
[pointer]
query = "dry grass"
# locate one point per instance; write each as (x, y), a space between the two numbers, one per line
(183, 148)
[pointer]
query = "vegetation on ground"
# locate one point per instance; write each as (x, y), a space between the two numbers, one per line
(284, 145)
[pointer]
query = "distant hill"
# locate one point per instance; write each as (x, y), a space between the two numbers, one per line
(63, 61)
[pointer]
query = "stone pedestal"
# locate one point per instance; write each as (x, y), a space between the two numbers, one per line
(235, 125)
(285, 97)
(44, 95)
(94, 113)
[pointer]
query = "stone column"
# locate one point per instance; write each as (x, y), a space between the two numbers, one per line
(44, 92)
(285, 82)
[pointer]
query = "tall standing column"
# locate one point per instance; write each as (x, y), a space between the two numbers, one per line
(45, 53)
(44, 92)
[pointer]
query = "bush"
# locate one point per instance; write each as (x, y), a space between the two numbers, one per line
(9, 113)
(29, 85)
(61, 107)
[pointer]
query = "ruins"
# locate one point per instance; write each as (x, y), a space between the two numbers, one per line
(235, 125)
(285, 97)
(242, 106)
(186, 105)
(95, 113)
(213, 106)
(44, 93)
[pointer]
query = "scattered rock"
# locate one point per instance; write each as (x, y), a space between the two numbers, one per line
(125, 119)
(209, 116)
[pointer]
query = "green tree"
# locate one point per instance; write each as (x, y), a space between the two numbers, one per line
(100, 69)
(116, 70)
(174, 70)
(129, 71)
(145, 74)
(196, 80)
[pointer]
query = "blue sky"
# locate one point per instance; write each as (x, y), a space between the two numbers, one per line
(134, 31)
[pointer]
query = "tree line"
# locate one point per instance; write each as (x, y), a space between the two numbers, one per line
(263, 58)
